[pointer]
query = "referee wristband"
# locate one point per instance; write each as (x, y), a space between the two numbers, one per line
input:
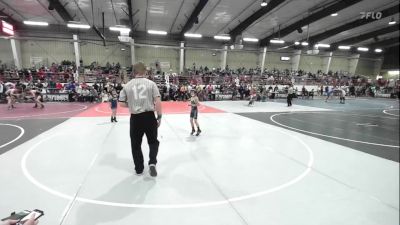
(159, 117)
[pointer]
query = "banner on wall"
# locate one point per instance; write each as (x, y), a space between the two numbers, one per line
(6, 28)
(165, 65)
(36, 60)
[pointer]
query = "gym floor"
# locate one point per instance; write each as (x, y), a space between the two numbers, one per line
(310, 164)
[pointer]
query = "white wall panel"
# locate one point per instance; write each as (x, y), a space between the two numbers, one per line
(339, 64)
(273, 61)
(311, 63)
(112, 53)
(365, 67)
(242, 59)
(203, 58)
(6, 56)
(149, 55)
(50, 51)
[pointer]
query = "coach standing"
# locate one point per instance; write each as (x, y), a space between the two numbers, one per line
(142, 97)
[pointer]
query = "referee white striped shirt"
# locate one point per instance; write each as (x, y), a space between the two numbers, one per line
(140, 95)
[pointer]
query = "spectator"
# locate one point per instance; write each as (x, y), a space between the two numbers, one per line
(303, 92)
(59, 87)
(2, 89)
(96, 87)
(241, 92)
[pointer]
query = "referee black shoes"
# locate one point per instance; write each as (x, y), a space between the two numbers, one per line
(153, 170)
(139, 174)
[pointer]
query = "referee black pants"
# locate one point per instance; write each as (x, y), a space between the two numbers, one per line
(143, 123)
(289, 99)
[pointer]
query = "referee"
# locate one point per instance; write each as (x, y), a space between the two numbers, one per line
(290, 95)
(142, 97)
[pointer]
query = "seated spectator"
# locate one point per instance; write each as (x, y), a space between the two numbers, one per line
(311, 94)
(59, 87)
(304, 92)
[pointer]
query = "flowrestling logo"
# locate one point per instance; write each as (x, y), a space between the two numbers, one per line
(372, 15)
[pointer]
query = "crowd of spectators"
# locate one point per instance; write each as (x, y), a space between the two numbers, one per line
(71, 91)
(57, 72)
(210, 84)
(240, 80)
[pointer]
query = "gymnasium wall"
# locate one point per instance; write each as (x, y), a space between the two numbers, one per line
(311, 63)
(94, 51)
(391, 60)
(273, 61)
(57, 51)
(366, 67)
(339, 63)
(6, 56)
(237, 59)
(46, 51)
(91, 51)
(149, 55)
(202, 57)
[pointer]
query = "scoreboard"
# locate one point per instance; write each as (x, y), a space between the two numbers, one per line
(6, 28)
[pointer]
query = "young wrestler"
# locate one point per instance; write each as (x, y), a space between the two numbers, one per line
(113, 105)
(342, 95)
(194, 103)
(253, 96)
(12, 95)
(37, 98)
(329, 93)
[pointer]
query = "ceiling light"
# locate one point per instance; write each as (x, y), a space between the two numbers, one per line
(276, 41)
(297, 43)
(120, 29)
(304, 43)
(78, 25)
(343, 47)
(362, 49)
(193, 35)
(392, 21)
(264, 3)
(323, 45)
(334, 14)
(250, 39)
(158, 32)
(222, 37)
(378, 50)
(36, 23)
(393, 72)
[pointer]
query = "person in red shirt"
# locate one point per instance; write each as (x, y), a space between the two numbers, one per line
(84, 85)
(41, 74)
(59, 86)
